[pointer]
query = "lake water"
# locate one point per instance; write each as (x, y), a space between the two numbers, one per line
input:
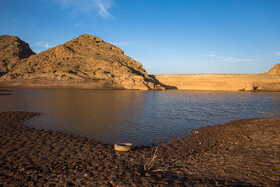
(140, 117)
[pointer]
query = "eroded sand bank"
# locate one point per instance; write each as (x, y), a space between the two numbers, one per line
(232, 82)
(244, 152)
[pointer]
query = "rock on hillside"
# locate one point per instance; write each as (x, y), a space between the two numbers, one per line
(86, 61)
(275, 70)
(12, 49)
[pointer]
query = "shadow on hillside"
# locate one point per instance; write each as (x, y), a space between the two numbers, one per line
(168, 87)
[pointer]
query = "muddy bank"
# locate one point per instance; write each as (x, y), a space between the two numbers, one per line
(4, 91)
(244, 152)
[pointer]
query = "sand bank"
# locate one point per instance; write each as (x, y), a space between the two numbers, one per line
(244, 152)
(232, 82)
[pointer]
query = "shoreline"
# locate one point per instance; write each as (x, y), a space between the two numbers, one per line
(242, 152)
(7, 87)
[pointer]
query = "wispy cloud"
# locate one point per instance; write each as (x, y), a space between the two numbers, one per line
(241, 60)
(77, 25)
(211, 55)
(41, 45)
(122, 43)
(103, 8)
(215, 58)
(273, 53)
(227, 59)
(88, 6)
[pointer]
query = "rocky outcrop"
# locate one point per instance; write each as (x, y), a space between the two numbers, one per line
(12, 49)
(86, 60)
(275, 70)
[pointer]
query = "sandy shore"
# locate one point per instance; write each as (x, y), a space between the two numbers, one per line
(244, 152)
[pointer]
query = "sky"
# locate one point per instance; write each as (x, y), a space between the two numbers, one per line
(166, 36)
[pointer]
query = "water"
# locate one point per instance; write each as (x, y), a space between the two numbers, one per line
(140, 117)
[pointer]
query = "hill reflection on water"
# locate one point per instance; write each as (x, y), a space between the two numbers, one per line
(140, 117)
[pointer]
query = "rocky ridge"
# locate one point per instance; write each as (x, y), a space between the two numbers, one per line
(12, 49)
(275, 70)
(86, 61)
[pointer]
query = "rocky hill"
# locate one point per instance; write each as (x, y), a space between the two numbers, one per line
(275, 70)
(86, 61)
(12, 49)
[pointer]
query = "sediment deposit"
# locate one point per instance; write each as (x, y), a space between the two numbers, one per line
(84, 62)
(244, 152)
(232, 82)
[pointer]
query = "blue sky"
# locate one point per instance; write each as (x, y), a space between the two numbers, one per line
(166, 36)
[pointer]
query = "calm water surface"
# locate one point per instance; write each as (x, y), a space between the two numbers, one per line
(140, 117)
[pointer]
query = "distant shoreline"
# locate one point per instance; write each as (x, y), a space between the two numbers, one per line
(215, 82)
(246, 74)
(232, 82)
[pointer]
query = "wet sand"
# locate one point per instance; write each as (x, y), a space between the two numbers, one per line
(243, 152)
(4, 92)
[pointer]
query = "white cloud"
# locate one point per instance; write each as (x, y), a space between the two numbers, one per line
(47, 45)
(88, 6)
(103, 11)
(41, 44)
(122, 43)
(244, 60)
(77, 25)
(232, 59)
(272, 53)
(228, 59)
(211, 55)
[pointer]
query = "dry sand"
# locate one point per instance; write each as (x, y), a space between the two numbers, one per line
(244, 152)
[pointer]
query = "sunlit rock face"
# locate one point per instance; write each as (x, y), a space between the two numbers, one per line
(275, 70)
(12, 49)
(86, 60)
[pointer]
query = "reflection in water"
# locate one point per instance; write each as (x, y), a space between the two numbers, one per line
(140, 117)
